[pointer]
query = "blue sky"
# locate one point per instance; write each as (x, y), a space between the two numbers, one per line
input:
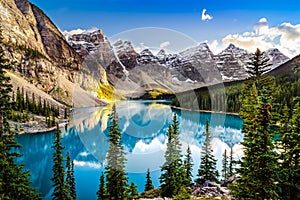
(228, 19)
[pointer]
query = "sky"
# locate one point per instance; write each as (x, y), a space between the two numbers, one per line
(247, 24)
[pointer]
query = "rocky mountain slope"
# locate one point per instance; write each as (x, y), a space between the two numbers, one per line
(290, 67)
(40, 52)
(192, 68)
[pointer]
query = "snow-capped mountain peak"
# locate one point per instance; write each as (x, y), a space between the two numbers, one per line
(147, 57)
(276, 57)
(232, 49)
(200, 52)
(197, 64)
(231, 46)
(122, 47)
(86, 42)
(146, 52)
(161, 52)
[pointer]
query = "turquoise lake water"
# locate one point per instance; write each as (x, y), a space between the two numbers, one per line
(143, 125)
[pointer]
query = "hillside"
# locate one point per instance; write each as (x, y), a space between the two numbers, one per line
(290, 67)
(42, 57)
(224, 97)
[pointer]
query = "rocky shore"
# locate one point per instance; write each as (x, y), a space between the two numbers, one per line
(35, 126)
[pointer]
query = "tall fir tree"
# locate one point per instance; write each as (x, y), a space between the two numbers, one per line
(149, 185)
(14, 182)
(27, 102)
(60, 191)
(33, 103)
(132, 191)
(290, 156)
(188, 167)
(172, 169)
(65, 113)
(258, 167)
(39, 107)
(207, 169)
(225, 165)
(19, 99)
(101, 193)
(116, 178)
(232, 163)
(71, 184)
(258, 65)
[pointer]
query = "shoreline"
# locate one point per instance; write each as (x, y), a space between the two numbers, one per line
(37, 129)
(205, 111)
(41, 130)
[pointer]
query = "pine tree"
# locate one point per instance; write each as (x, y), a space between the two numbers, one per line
(22, 99)
(172, 170)
(27, 102)
(60, 186)
(48, 121)
(228, 164)
(52, 123)
(68, 174)
(101, 193)
(231, 163)
(71, 178)
(225, 165)
(258, 167)
(45, 110)
(132, 191)
(290, 156)
(116, 179)
(14, 182)
(39, 106)
(188, 167)
(207, 169)
(13, 98)
(258, 64)
(66, 113)
(18, 99)
(149, 185)
(33, 103)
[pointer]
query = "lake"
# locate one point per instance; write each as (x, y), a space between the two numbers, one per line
(143, 125)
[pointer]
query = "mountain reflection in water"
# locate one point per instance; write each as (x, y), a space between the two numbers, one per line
(143, 125)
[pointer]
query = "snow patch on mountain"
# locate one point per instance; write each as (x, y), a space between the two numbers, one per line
(193, 65)
(276, 58)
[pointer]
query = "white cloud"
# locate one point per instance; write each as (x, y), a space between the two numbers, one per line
(87, 164)
(215, 47)
(285, 37)
(72, 32)
(140, 47)
(261, 27)
(205, 16)
(91, 30)
(164, 44)
(79, 31)
(142, 148)
(84, 154)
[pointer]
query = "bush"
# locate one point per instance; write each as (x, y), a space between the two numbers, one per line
(183, 194)
(151, 193)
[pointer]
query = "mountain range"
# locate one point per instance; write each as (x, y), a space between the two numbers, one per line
(74, 69)
(192, 68)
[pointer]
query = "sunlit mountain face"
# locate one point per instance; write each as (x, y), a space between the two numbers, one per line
(143, 125)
